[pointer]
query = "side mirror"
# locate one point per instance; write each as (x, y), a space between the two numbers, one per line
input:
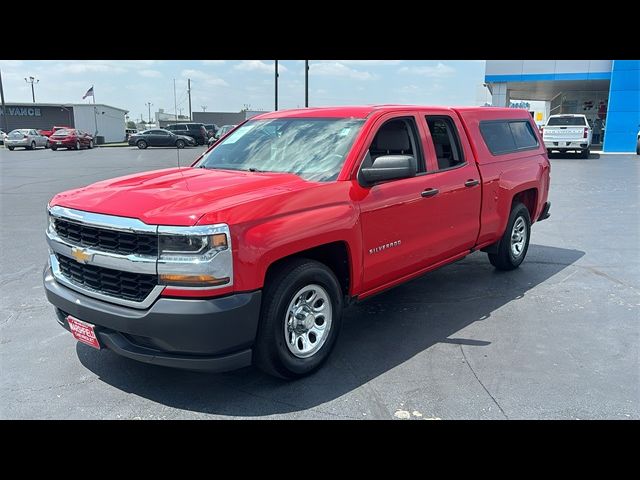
(389, 167)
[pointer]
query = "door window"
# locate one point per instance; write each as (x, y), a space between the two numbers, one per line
(445, 142)
(396, 137)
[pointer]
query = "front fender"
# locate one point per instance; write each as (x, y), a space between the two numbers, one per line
(263, 243)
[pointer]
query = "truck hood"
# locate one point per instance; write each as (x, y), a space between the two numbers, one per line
(176, 196)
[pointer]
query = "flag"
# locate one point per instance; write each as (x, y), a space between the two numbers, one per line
(89, 93)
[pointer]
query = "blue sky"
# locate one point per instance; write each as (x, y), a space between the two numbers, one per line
(226, 85)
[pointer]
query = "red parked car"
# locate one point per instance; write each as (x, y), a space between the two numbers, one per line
(71, 139)
(251, 254)
(48, 133)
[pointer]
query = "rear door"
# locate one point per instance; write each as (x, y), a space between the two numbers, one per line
(452, 171)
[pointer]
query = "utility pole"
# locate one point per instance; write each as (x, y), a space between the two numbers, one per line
(204, 108)
(32, 80)
(149, 104)
(276, 85)
(189, 92)
(4, 112)
(180, 110)
(306, 83)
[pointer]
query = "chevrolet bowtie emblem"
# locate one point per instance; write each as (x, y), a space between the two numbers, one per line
(81, 255)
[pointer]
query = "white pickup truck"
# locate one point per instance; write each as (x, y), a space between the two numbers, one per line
(567, 132)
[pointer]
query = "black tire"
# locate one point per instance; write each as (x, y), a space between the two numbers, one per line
(141, 144)
(271, 354)
(32, 146)
(638, 147)
(90, 144)
(585, 153)
(11, 148)
(54, 148)
(77, 147)
(504, 258)
(46, 145)
(548, 151)
(180, 143)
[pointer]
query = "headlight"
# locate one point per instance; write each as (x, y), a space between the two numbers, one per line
(197, 257)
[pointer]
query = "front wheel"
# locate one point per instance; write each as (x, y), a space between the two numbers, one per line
(90, 144)
(33, 146)
(513, 246)
(141, 144)
(11, 148)
(300, 320)
(46, 145)
(77, 147)
(180, 144)
(54, 148)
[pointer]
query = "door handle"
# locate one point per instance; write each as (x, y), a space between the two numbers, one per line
(430, 192)
(471, 183)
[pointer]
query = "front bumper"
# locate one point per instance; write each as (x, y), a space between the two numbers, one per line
(194, 334)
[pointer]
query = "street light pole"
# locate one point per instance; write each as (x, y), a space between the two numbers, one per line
(148, 104)
(276, 64)
(306, 83)
(32, 80)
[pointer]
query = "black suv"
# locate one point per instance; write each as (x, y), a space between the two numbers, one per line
(193, 130)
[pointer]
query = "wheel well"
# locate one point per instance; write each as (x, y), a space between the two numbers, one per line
(530, 199)
(334, 255)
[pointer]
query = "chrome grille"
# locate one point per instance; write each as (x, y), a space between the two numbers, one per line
(127, 285)
(112, 241)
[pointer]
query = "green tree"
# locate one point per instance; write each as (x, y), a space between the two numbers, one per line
(131, 124)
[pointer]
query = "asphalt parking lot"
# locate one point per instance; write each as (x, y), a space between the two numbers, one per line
(559, 338)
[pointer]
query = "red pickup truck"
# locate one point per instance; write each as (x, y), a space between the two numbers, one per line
(251, 254)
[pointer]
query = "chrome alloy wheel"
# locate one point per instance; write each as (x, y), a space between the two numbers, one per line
(308, 321)
(518, 237)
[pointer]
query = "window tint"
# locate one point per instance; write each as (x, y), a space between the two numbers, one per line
(506, 136)
(445, 142)
(562, 121)
(177, 127)
(397, 137)
(523, 135)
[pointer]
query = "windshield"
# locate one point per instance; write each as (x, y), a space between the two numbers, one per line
(562, 121)
(63, 131)
(313, 148)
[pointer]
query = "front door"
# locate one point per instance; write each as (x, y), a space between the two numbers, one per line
(396, 215)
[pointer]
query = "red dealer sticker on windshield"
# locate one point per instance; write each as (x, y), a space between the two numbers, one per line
(83, 332)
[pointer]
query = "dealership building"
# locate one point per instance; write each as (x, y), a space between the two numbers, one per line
(607, 92)
(104, 121)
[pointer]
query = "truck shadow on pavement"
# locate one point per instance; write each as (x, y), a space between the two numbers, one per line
(378, 335)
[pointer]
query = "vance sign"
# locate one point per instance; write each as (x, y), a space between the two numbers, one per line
(22, 111)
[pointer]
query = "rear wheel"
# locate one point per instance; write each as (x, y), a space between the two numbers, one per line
(11, 148)
(33, 146)
(90, 144)
(300, 319)
(54, 148)
(77, 147)
(585, 153)
(141, 144)
(180, 143)
(46, 145)
(513, 246)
